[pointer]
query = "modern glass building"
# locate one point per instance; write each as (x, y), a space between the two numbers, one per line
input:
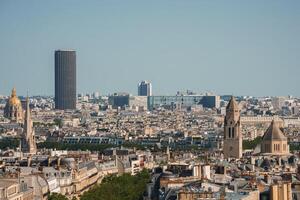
(119, 100)
(65, 79)
(144, 89)
(183, 101)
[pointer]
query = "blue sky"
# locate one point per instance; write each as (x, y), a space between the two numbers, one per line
(229, 47)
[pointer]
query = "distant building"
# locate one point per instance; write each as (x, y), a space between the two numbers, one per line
(139, 102)
(170, 102)
(278, 102)
(13, 109)
(12, 189)
(274, 142)
(211, 101)
(145, 88)
(96, 95)
(65, 79)
(118, 100)
(232, 131)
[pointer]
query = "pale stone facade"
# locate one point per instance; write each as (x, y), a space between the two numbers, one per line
(232, 131)
(281, 191)
(11, 189)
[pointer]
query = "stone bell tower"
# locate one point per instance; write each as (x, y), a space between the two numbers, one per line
(233, 142)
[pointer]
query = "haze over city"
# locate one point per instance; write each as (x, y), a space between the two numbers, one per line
(228, 47)
(149, 100)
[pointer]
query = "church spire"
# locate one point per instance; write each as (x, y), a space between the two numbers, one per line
(28, 130)
(27, 118)
(14, 92)
(232, 105)
(232, 111)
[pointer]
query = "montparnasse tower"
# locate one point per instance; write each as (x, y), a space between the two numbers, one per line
(232, 131)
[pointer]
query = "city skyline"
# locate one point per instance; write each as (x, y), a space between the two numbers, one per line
(239, 48)
(80, 120)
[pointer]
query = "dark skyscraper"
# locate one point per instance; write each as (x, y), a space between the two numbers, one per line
(65, 79)
(144, 89)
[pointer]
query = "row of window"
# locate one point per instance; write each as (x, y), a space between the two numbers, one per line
(276, 147)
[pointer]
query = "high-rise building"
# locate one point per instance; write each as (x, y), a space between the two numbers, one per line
(144, 89)
(186, 101)
(119, 100)
(65, 79)
(233, 141)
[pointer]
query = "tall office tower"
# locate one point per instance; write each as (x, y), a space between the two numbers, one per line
(232, 131)
(65, 79)
(28, 138)
(144, 89)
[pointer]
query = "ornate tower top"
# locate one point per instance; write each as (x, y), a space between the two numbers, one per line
(232, 105)
(14, 100)
(14, 92)
(13, 109)
(232, 110)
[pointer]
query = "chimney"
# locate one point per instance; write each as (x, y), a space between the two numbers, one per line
(235, 185)
(58, 162)
(29, 161)
(49, 161)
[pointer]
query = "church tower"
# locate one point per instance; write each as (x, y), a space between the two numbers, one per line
(233, 142)
(28, 140)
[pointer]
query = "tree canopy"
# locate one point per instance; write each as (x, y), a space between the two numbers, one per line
(125, 187)
(56, 196)
(251, 144)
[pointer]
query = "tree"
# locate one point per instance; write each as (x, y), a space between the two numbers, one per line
(56, 196)
(9, 143)
(251, 144)
(58, 122)
(125, 187)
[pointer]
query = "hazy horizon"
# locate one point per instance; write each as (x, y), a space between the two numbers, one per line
(227, 47)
